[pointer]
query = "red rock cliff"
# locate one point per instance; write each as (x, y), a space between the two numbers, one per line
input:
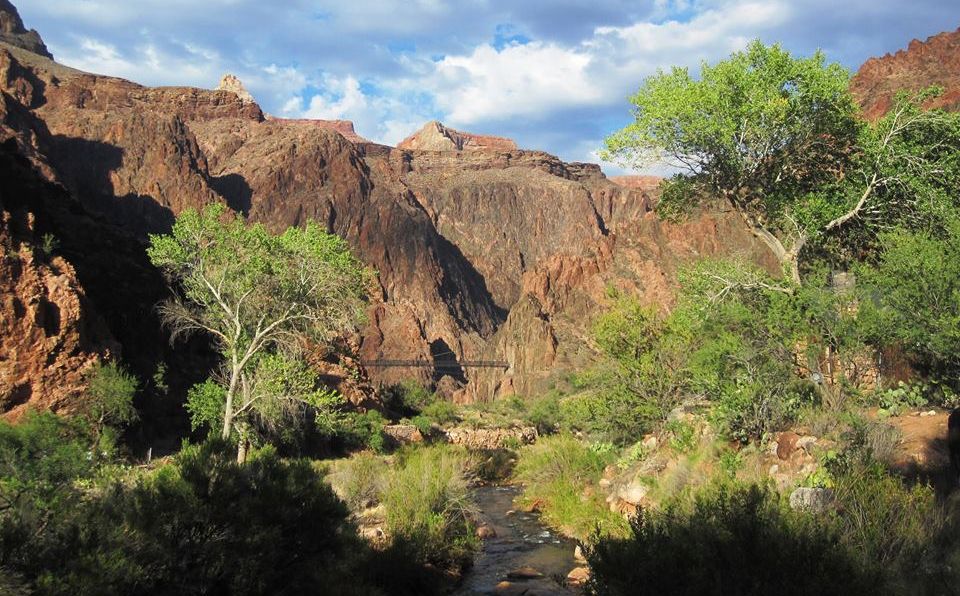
(935, 61)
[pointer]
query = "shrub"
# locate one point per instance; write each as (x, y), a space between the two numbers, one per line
(429, 506)
(544, 413)
(886, 521)
(555, 472)
(640, 378)
(364, 430)
(441, 411)
(44, 462)
(729, 539)
(200, 525)
(359, 480)
(108, 404)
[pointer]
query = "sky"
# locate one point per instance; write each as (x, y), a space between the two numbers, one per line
(553, 76)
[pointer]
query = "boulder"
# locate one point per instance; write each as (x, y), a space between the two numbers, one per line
(578, 555)
(524, 573)
(491, 438)
(578, 576)
(787, 444)
(633, 493)
(805, 443)
(403, 434)
(815, 500)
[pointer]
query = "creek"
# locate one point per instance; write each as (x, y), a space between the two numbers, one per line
(521, 541)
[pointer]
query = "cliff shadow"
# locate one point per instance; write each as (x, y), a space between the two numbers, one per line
(86, 167)
(464, 290)
(235, 191)
(445, 362)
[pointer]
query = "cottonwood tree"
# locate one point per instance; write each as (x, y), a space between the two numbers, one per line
(779, 139)
(260, 296)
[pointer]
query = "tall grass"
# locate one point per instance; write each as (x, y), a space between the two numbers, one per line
(429, 506)
(559, 474)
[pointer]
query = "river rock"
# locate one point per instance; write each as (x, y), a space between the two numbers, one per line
(806, 443)
(815, 500)
(578, 576)
(524, 573)
(578, 555)
(633, 493)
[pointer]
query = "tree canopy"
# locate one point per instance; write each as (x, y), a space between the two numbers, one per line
(779, 139)
(261, 297)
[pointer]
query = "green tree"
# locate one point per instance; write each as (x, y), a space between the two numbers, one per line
(256, 294)
(778, 139)
(108, 403)
(641, 377)
(912, 297)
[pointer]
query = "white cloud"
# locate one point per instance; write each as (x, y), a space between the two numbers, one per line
(537, 78)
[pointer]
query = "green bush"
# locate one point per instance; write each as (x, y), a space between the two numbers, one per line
(729, 539)
(555, 473)
(885, 520)
(441, 411)
(359, 480)
(108, 404)
(429, 506)
(45, 462)
(364, 430)
(208, 524)
(544, 413)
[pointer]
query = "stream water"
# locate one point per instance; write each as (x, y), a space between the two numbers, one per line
(520, 541)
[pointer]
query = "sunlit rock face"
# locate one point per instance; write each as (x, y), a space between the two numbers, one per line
(935, 61)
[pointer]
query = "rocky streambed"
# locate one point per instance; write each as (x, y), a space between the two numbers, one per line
(520, 555)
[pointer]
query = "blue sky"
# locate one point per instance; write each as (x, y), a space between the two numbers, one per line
(551, 75)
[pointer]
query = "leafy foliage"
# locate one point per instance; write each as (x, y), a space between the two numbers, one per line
(554, 472)
(108, 403)
(258, 294)
(640, 380)
(912, 297)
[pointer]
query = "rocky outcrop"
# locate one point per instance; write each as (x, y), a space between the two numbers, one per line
(935, 61)
(491, 438)
(14, 33)
(232, 84)
(434, 136)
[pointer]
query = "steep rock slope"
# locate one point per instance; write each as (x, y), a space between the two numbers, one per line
(483, 250)
(935, 61)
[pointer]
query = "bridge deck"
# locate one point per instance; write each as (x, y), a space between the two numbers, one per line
(446, 364)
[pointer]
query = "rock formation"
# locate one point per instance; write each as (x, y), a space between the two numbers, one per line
(231, 83)
(935, 61)
(434, 136)
(483, 250)
(14, 33)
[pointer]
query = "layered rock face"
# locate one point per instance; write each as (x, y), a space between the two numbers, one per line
(434, 136)
(935, 61)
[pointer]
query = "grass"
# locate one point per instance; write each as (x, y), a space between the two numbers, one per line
(429, 506)
(559, 475)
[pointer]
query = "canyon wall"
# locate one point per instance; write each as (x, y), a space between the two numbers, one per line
(483, 250)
